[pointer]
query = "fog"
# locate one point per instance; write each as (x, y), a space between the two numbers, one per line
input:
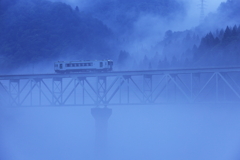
(149, 29)
(178, 131)
(193, 9)
(210, 5)
(147, 132)
(135, 132)
(46, 133)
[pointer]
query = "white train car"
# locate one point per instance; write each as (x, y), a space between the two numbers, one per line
(83, 66)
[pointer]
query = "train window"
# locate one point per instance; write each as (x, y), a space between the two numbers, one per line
(73, 65)
(60, 66)
(110, 63)
(77, 65)
(101, 64)
(67, 65)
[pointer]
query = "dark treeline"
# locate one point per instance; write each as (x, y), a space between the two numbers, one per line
(188, 49)
(219, 48)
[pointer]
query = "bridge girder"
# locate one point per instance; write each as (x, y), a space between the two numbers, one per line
(220, 85)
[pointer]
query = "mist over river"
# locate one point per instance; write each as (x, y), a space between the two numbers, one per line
(134, 132)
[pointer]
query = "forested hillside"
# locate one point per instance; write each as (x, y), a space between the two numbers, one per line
(227, 14)
(219, 49)
(212, 43)
(126, 31)
(39, 30)
(187, 49)
(122, 14)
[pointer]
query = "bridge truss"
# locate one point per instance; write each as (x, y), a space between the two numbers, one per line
(204, 85)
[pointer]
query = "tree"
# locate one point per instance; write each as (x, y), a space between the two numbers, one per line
(163, 63)
(207, 42)
(77, 9)
(40, 30)
(227, 35)
(122, 57)
(174, 62)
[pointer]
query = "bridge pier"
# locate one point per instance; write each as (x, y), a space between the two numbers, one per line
(101, 116)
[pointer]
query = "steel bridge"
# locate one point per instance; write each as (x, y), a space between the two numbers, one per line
(145, 87)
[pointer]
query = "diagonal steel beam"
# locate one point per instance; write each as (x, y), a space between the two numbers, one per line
(108, 89)
(205, 86)
(32, 87)
(234, 91)
(41, 91)
(84, 88)
(51, 92)
(116, 90)
(184, 93)
(71, 92)
(159, 93)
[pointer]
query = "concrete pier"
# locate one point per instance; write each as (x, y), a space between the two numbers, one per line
(101, 116)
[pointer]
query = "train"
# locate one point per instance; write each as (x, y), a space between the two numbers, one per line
(83, 66)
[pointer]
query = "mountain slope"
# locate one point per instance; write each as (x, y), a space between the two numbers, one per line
(37, 30)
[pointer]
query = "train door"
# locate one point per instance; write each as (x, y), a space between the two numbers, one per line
(61, 66)
(101, 64)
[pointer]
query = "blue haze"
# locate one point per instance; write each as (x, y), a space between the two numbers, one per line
(160, 132)
(40, 32)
